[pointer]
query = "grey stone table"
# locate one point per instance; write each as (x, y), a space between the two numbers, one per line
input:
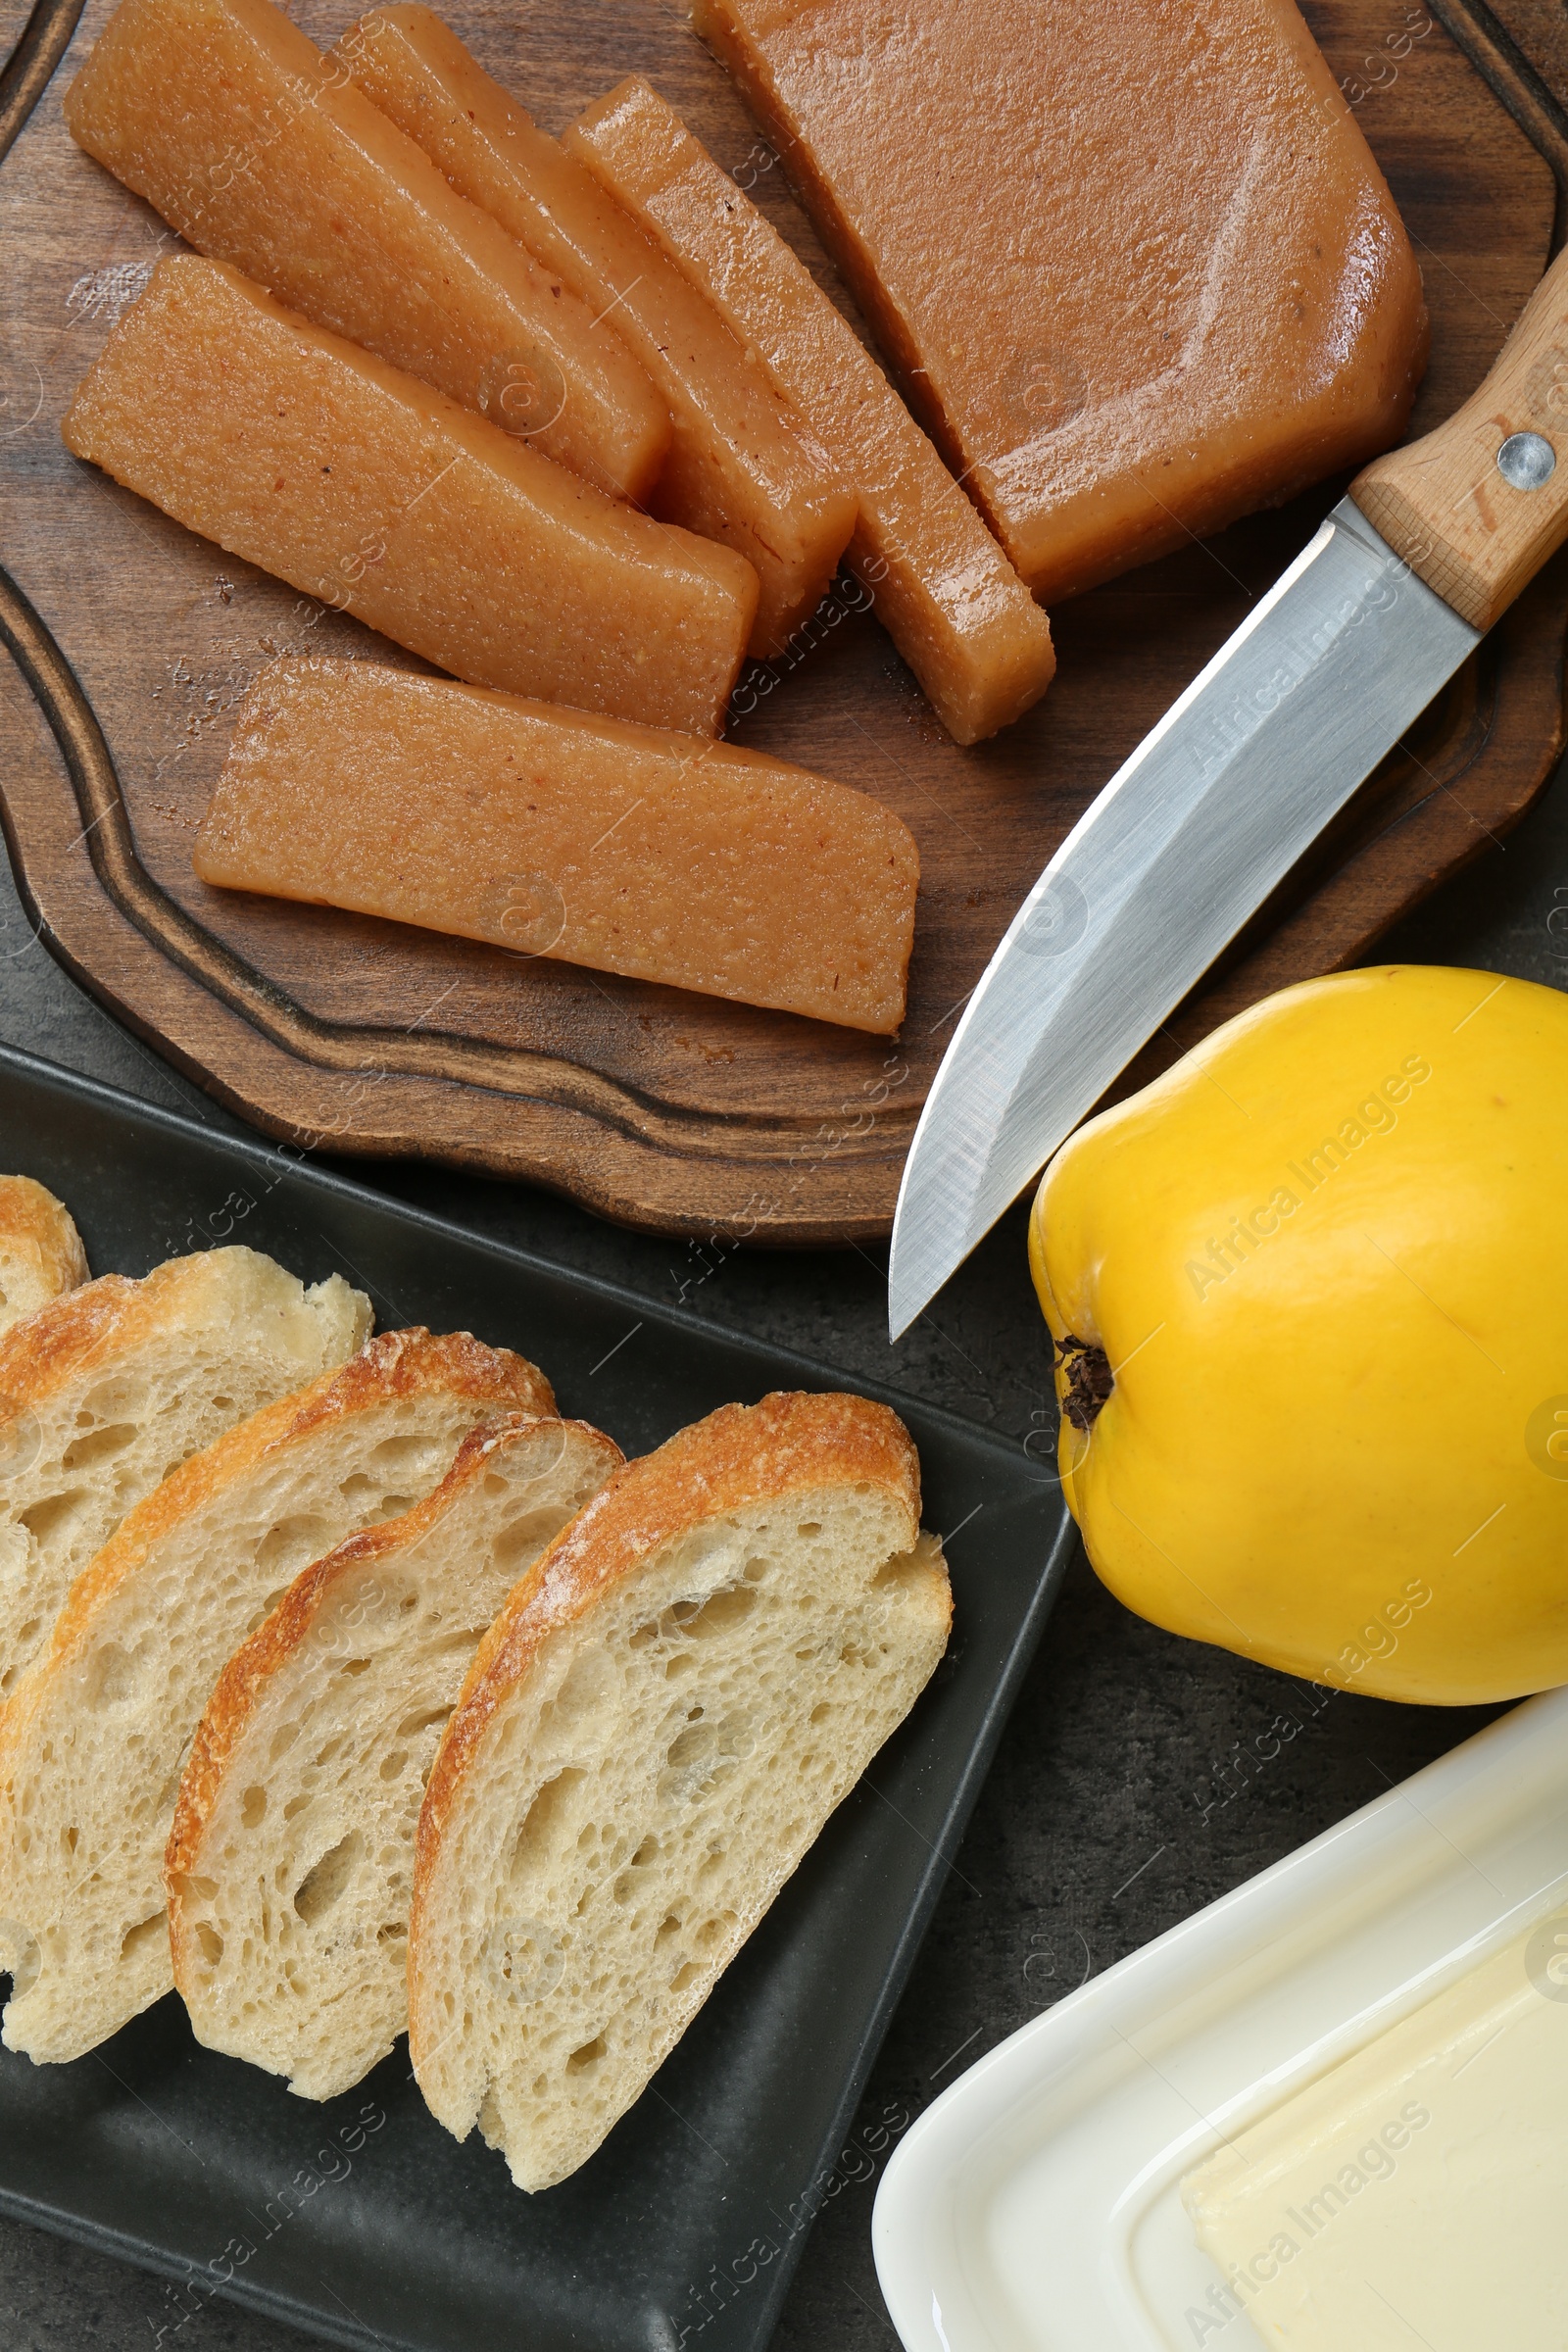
(1129, 1788)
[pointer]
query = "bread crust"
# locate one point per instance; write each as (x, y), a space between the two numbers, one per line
(59, 1341)
(792, 1441)
(280, 1635)
(398, 1364)
(40, 1353)
(39, 1230)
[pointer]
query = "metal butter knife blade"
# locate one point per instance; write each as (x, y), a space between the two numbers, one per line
(1212, 810)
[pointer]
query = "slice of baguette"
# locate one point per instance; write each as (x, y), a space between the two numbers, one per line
(291, 1860)
(41, 1250)
(652, 1734)
(92, 1744)
(107, 1390)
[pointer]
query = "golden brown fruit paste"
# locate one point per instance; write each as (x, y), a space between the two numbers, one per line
(261, 153)
(359, 485)
(738, 468)
(1132, 259)
(948, 596)
(555, 834)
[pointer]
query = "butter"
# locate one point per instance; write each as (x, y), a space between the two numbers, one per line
(1415, 2193)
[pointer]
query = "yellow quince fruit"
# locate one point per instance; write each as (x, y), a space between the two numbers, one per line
(1309, 1293)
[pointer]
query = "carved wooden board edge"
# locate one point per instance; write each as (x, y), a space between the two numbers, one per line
(45, 38)
(1513, 81)
(361, 1090)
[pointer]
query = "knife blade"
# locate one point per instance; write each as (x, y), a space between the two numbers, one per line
(1235, 781)
(1183, 843)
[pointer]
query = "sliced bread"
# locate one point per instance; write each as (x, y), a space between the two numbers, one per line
(107, 1390)
(41, 1250)
(291, 1861)
(652, 1734)
(92, 1746)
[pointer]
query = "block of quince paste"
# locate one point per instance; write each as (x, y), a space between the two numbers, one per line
(358, 484)
(261, 153)
(1135, 266)
(948, 596)
(739, 468)
(553, 833)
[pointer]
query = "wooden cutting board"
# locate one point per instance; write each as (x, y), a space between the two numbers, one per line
(132, 643)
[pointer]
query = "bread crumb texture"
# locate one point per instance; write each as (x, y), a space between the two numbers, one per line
(653, 1733)
(291, 1862)
(93, 1743)
(108, 1389)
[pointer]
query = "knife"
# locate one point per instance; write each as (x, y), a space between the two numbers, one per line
(1432, 543)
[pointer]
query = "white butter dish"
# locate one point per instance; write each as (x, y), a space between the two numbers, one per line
(1034, 2207)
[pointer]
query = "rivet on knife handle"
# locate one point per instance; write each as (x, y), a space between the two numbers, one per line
(1476, 507)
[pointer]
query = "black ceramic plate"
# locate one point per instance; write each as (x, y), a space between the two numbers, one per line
(362, 2220)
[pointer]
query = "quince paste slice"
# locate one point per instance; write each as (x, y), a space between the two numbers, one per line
(1134, 264)
(362, 486)
(940, 584)
(260, 152)
(550, 833)
(738, 470)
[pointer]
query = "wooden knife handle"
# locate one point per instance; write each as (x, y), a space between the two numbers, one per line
(1476, 507)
